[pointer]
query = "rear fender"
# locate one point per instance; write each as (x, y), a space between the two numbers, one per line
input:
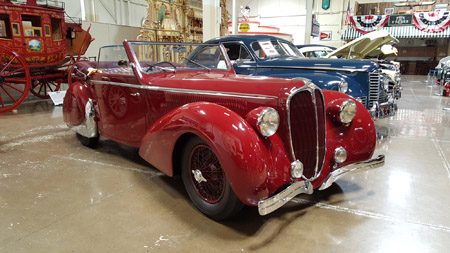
(78, 109)
(241, 151)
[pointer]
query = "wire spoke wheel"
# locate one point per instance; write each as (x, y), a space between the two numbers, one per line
(206, 174)
(14, 80)
(41, 87)
(205, 181)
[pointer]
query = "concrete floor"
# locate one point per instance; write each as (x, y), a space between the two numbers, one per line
(58, 196)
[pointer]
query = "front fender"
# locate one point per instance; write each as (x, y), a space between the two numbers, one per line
(241, 151)
(358, 137)
(357, 86)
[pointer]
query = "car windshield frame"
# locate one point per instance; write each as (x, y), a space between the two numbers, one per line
(136, 62)
(287, 49)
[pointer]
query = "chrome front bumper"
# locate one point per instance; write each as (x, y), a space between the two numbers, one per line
(383, 110)
(336, 174)
(271, 204)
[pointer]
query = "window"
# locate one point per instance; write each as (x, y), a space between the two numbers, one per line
(237, 52)
(31, 26)
(208, 56)
(5, 27)
(47, 31)
(16, 29)
(273, 49)
(56, 29)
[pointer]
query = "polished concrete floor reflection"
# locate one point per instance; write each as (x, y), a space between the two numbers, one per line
(58, 196)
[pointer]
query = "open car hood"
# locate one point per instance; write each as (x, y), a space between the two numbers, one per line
(370, 45)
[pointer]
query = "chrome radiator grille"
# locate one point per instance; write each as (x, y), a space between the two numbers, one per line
(374, 88)
(307, 130)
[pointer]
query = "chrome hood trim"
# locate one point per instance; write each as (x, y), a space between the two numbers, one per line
(351, 70)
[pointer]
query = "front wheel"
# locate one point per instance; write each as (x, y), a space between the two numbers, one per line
(206, 183)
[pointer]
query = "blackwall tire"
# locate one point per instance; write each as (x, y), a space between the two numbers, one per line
(88, 142)
(213, 197)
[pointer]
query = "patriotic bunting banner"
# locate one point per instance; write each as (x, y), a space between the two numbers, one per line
(432, 22)
(368, 23)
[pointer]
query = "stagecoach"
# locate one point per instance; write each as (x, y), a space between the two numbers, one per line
(38, 43)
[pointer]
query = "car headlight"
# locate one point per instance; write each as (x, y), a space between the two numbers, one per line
(268, 121)
(347, 111)
(343, 87)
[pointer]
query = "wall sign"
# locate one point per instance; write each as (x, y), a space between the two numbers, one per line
(244, 27)
(399, 20)
(325, 35)
(326, 4)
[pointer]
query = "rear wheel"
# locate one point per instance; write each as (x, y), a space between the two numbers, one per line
(206, 183)
(88, 142)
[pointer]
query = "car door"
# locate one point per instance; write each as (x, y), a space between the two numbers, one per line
(122, 108)
(243, 62)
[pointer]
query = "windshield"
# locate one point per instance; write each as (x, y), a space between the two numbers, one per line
(157, 57)
(274, 49)
(113, 59)
(316, 54)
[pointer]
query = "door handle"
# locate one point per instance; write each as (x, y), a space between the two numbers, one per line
(135, 94)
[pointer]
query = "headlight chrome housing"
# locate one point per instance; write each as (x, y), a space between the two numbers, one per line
(268, 121)
(343, 86)
(347, 111)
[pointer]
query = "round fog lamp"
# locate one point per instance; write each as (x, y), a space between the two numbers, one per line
(296, 169)
(340, 155)
(347, 111)
(268, 121)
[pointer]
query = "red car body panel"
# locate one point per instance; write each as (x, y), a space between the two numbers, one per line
(164, 107)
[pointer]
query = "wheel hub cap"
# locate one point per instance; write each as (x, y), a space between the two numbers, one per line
(198, 176)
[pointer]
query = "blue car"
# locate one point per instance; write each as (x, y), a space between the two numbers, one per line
(265, 55)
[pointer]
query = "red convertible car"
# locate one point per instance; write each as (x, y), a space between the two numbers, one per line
(234, 140)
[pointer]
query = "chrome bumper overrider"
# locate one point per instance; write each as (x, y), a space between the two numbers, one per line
(271, 204)
(89, 127)
(336, 174)
(379, 111)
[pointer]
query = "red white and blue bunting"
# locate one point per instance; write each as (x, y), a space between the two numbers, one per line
(368, 23)
(434, 22)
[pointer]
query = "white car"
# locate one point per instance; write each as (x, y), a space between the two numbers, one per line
(375, 45)
(315, 51)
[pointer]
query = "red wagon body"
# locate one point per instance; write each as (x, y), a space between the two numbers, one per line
(38, 42)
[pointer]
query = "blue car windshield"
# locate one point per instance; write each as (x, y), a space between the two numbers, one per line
(274, 49)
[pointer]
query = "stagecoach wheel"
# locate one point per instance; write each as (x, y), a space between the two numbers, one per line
(206, 183)
(15, 80)
(41, 87)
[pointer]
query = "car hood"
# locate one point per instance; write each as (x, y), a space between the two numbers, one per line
(319, 64)
(367, 46)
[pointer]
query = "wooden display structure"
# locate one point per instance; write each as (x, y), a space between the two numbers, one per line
(177, 21)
